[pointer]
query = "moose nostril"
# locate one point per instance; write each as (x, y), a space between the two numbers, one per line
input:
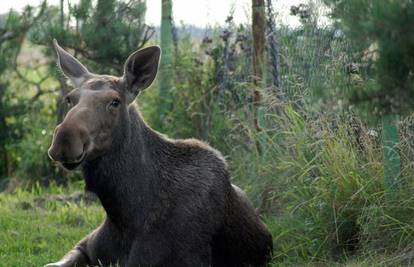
(68, 145)
(54, 153)
(78, 158)
(50, 154)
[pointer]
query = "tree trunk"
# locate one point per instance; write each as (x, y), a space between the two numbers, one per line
(62, 14)
(259, 41)
(166, 72)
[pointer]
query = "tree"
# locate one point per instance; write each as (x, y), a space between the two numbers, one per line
(166, 67)
(105, 31)
(259, 41)
(383, 28)
(13, 29)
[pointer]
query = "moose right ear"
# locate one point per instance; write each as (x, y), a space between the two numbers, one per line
(70, 66)
(140, 70)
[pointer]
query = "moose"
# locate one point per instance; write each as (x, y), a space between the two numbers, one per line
(167, 202)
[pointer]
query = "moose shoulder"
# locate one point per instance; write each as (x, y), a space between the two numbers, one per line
(168, 202)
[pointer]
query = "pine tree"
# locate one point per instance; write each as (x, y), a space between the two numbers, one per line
(385, 28)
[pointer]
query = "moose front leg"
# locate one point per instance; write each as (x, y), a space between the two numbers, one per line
(76, 257)
(101, 246)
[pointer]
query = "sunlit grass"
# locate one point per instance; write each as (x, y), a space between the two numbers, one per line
(35, 229)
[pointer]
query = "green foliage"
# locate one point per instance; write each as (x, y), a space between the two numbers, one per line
(198, 102)
(31, 125)
(12, 32)
(382, 28)
(320, 178)
(106, 32)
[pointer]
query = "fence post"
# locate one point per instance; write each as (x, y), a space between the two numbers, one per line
(166, 72)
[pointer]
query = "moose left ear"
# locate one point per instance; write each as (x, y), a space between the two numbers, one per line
(140, 70)
(70, 66)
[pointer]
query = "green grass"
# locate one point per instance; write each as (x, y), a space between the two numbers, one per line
(37, 229)
(323, 186)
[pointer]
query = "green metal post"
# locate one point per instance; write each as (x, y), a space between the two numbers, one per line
(166, 66)
(392, 159)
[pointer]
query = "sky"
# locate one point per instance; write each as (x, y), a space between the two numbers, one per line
(197, 12)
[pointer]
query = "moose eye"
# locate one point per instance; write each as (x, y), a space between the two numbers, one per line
(68, 102)
(115, 103)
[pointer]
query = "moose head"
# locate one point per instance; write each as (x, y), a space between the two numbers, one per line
(96, 122)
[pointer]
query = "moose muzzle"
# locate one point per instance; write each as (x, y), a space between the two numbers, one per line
(69, 145)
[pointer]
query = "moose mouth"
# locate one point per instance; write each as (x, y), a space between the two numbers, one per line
(73, 165)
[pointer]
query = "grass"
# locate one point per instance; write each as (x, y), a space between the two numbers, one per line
(321, 180)
(36, 228)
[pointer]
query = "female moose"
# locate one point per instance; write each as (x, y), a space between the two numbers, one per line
(168, 202)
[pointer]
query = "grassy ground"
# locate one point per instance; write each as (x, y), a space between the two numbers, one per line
(40, 225)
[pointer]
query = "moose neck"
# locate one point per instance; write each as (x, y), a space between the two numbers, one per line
(124, 179)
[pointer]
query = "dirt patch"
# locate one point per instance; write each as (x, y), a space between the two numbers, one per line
(24, 205)
(77, 198)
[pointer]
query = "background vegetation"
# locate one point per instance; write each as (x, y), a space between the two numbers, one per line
(315, 124)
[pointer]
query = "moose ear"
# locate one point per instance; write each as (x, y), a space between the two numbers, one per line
(140, 70)
(70, 66)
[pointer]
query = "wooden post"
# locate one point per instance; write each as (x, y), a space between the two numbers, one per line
(259, 41)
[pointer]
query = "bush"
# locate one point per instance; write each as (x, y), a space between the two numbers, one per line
(319, 182)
